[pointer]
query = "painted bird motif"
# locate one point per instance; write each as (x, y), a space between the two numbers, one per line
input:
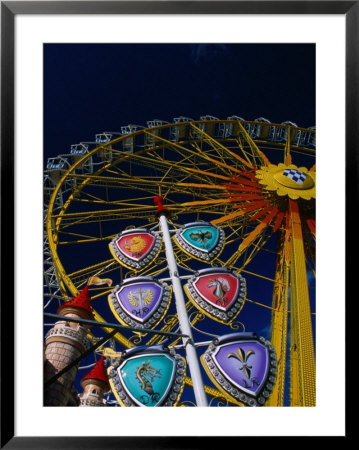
(201, 236)
(140, 299)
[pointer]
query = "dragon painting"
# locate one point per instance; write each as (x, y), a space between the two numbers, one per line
(146, 375)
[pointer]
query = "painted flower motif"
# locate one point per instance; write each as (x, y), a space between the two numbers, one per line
(295, 182)
(243, 358)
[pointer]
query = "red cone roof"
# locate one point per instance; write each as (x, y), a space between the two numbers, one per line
(82, 300)
(98, 372)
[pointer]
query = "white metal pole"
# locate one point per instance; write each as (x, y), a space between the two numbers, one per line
(183, 321)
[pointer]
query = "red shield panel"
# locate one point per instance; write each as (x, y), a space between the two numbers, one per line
(135, 248)
(217, 292)
(220, 289)
(135, 245)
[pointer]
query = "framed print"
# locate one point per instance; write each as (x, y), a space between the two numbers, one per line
(163, 185)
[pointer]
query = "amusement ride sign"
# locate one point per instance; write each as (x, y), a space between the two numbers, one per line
(148, 376)
(201, 240)
(243, 366)
(135, 248)
(217, 292)
(140, 301)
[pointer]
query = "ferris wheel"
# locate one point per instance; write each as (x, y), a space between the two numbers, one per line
(254, 181)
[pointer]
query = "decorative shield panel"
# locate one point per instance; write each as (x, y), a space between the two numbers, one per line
(148, 376)
(243, 366)
(140, 302)
(201, 240)
(217, 292)
(135, 248)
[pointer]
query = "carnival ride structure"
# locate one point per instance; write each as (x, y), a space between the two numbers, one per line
(254, 181)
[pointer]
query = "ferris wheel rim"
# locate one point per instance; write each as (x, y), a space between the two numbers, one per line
(49, 235)
(66, 176)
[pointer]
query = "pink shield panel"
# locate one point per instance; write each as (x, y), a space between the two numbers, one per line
(135, 248)
(217, 292)
(135, 245)
(218, 288)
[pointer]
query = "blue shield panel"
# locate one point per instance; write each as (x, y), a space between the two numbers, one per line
(148, 376)
(201, 240)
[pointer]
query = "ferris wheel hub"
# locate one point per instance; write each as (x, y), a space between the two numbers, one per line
(288, 180)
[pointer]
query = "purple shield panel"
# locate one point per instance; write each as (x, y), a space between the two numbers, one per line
(243, 366)
(140, 301)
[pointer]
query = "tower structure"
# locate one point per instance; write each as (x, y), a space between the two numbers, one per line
(95, 384)
(65, 342)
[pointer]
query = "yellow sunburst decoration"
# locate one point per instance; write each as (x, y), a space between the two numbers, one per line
(295, 182)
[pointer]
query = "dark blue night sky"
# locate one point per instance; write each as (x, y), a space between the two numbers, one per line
(92, 88)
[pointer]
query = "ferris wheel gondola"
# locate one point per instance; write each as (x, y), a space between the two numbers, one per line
(254, 180)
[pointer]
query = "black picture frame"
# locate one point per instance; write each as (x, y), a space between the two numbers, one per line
(9, 10)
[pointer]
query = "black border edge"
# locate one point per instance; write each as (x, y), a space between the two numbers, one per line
(351, 160)
(181, 7)
(8, 11)
(7, 227)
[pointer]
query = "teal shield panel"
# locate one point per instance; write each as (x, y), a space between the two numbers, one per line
(204, 238)
(201, 240)
(147, 378)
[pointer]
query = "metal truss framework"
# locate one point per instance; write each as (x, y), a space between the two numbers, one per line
(205, 170)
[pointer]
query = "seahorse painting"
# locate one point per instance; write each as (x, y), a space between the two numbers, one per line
(146, 375)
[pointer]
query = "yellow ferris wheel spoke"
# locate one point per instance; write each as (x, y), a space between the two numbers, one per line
(86, 241)
(81, 276)
(287, 155)
(174, 145)
(240, 141)
(204, 186)
(257, 153)
(228, 217)
(209, 174)
(253, 250)
(218, 144)
(198, 152)
(214, 201)
(202, 177)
